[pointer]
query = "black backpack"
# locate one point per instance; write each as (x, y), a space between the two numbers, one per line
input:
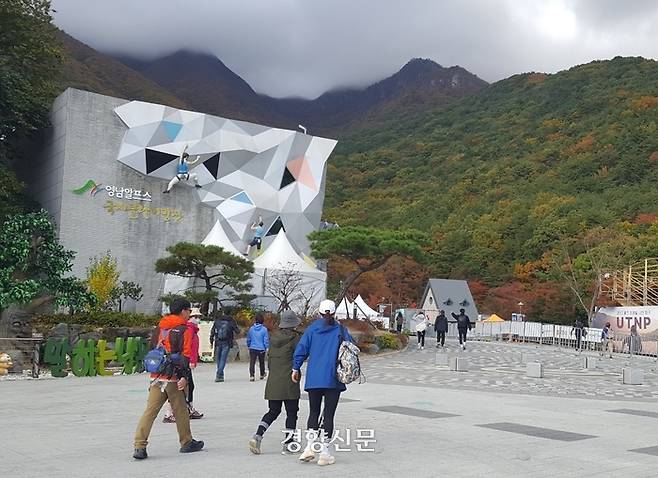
(223, 331)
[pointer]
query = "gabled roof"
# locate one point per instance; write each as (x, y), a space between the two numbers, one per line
(449, 295)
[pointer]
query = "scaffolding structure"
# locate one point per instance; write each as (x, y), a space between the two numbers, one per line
(635, 285)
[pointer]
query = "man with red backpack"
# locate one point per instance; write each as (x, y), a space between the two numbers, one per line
(169, 382)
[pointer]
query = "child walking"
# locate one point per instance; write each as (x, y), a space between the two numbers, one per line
(280, 390)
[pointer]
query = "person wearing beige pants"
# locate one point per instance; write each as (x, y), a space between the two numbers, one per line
(156, 399)
(168, 378)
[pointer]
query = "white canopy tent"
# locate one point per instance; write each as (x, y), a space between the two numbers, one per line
(344, 309)
(217, 237)
(280, 262)
(363, 310)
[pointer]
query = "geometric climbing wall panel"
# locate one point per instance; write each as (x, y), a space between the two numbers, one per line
(245, 170)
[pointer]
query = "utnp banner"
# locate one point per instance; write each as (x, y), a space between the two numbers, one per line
(623, 318)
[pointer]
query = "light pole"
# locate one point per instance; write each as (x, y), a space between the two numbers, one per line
(521, 304)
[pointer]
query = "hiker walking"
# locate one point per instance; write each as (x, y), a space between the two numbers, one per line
(172, 335)
(222, 336)
(193, 325)
(441, 328)
(258, 341)
(607, 345)
(320, 344)
(463, 326)
(280, 390)
(421, 328)
(579, 330)
(399, 321)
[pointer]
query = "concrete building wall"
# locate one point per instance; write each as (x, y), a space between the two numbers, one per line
(48, 174)
(83, 145)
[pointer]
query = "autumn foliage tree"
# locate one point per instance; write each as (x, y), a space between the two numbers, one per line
(366, 249)
(103, 278)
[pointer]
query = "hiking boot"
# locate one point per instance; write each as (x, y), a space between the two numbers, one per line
(140, 454)
(194, 414)
(169, 419)
(252, 379)
(191, 447)
(254, 444)
(219, 379)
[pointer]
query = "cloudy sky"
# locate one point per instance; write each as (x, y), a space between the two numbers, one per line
(306, 47)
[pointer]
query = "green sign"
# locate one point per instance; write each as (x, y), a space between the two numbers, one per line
(91, 357)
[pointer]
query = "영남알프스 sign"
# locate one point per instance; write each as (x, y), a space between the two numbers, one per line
(623, 318)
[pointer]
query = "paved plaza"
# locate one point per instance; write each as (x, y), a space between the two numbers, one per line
(429, 421)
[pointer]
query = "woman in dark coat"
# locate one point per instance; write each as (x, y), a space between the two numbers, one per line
(280, 390)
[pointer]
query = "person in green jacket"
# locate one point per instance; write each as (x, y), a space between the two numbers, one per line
(280, 390)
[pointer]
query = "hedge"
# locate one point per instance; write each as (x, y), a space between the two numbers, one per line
(98, 319)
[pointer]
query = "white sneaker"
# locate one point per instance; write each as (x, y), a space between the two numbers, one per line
(418, 346)
(308, 454)
(422, 348)
(326, 458)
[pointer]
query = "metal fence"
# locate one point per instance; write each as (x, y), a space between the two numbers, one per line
(562, 336)
(29, 351)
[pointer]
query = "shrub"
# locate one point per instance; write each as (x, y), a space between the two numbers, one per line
(244, 318)
(98, 318)
(388, 341)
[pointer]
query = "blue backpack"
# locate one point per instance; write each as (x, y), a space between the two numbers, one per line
(159, 361)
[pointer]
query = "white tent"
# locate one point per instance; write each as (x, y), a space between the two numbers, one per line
(217, 237)
(363, 310)
(279, 259)
(344, 309)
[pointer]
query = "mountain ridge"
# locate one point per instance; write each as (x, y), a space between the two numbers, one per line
(186, 74)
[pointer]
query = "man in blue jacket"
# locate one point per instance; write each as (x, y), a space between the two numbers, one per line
(258, 341)
(319, 345)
